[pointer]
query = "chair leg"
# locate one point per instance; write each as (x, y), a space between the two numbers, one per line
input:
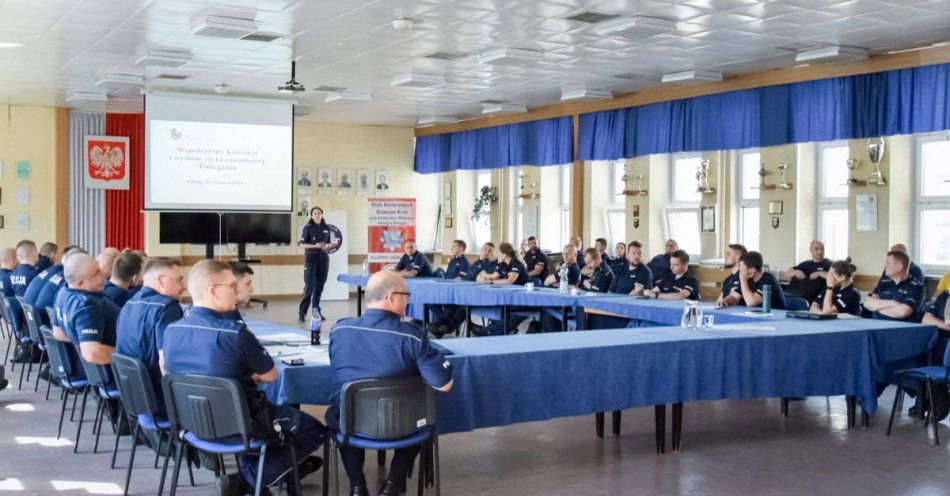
(36, 385)
(932, 414)
(180, 448)
(616, 422)
(898, 396)
(436, 479)
(260, 471)
(100, 416)
(784, 407)
(128, 471)
(62, 414)
(423, 455)
(49, 385)
(335, 473)
(72, 414)
(168, 454)
(22, 365)
(191, 474)
(161, 438)
(293, 486)
(599, 424)
(326, 468)
(82, 413)
(29, 367)
(115, 445)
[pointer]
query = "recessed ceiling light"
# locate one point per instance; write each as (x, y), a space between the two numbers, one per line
(833, 53)
(9, 45)
(417, 80)
(503, 108)
(436, 119)
(510, 56)
(582, 92)
(692, 76)
(636, 28)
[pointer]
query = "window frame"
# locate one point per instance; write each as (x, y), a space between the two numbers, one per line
(741, 202)
(564, 203)
(672, 178)
(825, 203)
(926, 203)
(616, 177)
(682, 206)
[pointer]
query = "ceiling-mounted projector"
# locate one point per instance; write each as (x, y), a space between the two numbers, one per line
(291, 86)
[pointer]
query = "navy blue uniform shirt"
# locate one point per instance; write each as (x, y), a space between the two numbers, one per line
(20, 278)
(660, 266)
(767, 279)
(48, 295)
(627, 277)
(312, 234)
(86, 316)
(600, 279)
(6, 288)
(673, 284)
(205, 342)
(457, 268)
(481, 265)
(43, 262)
(731, 282)
(617, 265)
(573, 274)
(117, 294)
(938, 307)
(532, 258)
(377, 344)
(846, 300)
(141, 329)
(417, 262)
(39, 282)
(910, 292)
(809, 267)
(514, 266)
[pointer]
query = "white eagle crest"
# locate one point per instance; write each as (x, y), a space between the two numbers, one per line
(106, 162)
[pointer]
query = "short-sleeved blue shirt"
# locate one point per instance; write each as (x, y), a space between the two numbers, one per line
(43, 262)
(660, 266)
(87, 316)
(845, 300)
(730, 283)
(141, 329)
(673, 284)
(48, 295)
(909, 292)
(376, 345)
(39, 282)
(532, 258)
(514, 266)
(573, 274)
(417, 262)
(117, 294)
(205, 342)
(457, 268)
(767, 279)
(481, 265)
(314, 233)
(6, 287)
(629, 276)
(20, 278)
(600, 279)
(72, 356)
(809, 267)
(938, 307)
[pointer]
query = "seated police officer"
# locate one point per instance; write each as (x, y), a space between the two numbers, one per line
(897, 296)
(752, 279)
(378, 345)
(88, 318)
(245, 288)
(509, 271)
(619, 258)
(126, 273)
(839, 295)
(142, 321)
(678, 284)
(36, 286)
(47, 256)
(413, 263)
(660, 264)
(596, 275)
(807, 279)
(569, 260)
(578, 243)
(25, 271)
(106, 259)
(731, 288)
(632, 277)
(535, 261)
(458, 265)
(457, 269)
(7, 264)
(914, 270)
(601, 245)
(449, 317)
(206, 342)
(47, 296)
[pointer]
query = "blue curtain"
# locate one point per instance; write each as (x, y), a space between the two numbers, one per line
(543, 142)
(903, 101)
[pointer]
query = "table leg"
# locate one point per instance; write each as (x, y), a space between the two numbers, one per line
(659, 412)
(425, 316)
(616, 422)
(563, 319)
(677, 425)
(599, 423)
(851, 406)
(359, 301)
(504, 319)
(468, 321)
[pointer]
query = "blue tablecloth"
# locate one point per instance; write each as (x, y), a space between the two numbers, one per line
(308, 383)
(668, 312)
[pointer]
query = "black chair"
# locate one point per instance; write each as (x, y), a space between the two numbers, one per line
(928, 376)
(61, 366)
(795, 303)
(140, 405)
(8, 327)
(211, 415)
(102, 386)
(33, 321)
(384, 414)
(11, 312)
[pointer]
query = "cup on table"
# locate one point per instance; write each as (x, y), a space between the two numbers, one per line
(529, 286)
(573, 291)
(709, 321)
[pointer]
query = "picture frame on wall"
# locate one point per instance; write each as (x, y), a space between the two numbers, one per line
(447, 222)
(382, 181)
(1, 222)
(776, 207)
(362, 182)
(304, 177)
(344, 180)
(447, 190)
(708, 218)
(324, 180)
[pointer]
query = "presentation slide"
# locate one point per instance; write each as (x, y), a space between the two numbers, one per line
(219, 154)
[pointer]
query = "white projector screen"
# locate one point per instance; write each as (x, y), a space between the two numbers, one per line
(218, 153)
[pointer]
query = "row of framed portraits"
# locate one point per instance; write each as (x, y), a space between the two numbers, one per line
(344, 181)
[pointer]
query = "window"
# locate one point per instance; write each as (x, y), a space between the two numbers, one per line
(481, 229)
(565, 203)
(932, 210)
(833, 198)
(682, 218)
(747, 201)
(614, 217)
(618, 179)
(616, 226)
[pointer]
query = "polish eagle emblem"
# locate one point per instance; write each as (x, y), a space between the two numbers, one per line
(106, 161)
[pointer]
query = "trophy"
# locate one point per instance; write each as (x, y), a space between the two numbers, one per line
(532, 194)
(640, 191)
(853, 181)
(876, 154)
(702, 178)
(762, 173)
(784, 184)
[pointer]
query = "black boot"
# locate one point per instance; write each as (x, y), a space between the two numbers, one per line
(358, 491)
(390, 488)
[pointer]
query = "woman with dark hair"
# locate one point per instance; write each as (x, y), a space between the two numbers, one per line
(315, 239)
(839, 295)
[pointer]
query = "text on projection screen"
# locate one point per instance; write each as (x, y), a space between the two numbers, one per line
(218, 154)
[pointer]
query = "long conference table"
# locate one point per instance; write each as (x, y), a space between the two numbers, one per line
(505, 380)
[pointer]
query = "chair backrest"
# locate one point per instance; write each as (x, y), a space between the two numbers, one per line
(32, 322)
(208, 407)
(95, 374)
(59, 363)
(390, 408)
(50, 315)
(795, 303)
(9, 307)
(135, 385)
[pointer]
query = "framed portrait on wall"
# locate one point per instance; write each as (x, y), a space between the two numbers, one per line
(324, 180)
(708, 219)
(362, 182)
(382, 181)
(304, 178)
(344, 180)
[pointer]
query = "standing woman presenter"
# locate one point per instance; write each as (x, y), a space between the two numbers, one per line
(315, 238)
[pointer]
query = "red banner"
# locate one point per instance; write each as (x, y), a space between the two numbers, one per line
(391, 222)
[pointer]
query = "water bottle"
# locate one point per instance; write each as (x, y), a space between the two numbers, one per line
(316, 325)
(767, 298)
(562, 276)
(691, 315)
(365, 267)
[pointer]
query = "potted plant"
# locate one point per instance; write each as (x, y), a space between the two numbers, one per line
(487, 197)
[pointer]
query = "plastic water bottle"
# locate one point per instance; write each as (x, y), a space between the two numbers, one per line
(767, 298)
(562, 276)
(316, 325)
(365, 267)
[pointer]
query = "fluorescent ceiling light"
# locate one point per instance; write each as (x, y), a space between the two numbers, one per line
(415, 80)
(9, 45)
(692, 76)
(437, 119)
(87, 97)
(217, 26)
(503, 108)
(833, 53)
(636, 28)
(113, 81)
(355, 96)
(584, 93)
(510, 56)
(164, 58)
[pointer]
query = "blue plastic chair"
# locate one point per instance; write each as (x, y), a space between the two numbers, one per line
(795, 303)
(61, 367)
(12, 313)
(100, 382)
(34, 320)
(385, 414)
(929, 375)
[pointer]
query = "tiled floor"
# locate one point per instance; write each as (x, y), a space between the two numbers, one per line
(729, 448)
